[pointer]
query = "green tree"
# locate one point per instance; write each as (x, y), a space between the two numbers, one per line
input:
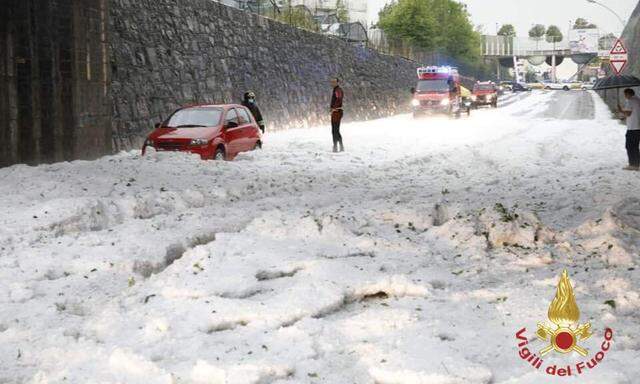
(295, 16)
(606, 42)
(441, 25)
(582, 23)
(554, 35)
(342, 13)
(408, 20)
(537, 32)
(507, 30)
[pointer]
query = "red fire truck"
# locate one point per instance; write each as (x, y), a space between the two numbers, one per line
(437, 91)
(485, 93)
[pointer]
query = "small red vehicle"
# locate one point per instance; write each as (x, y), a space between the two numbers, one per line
(437, 91)
(485, 93)
(217, 132)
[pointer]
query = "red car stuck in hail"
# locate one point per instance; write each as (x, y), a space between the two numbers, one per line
(217, 132)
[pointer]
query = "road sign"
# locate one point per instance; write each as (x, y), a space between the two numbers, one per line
(618, 57)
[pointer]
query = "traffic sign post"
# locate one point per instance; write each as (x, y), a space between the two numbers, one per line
(618, 57)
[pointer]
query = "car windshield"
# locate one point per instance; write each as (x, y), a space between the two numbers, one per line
(195, 117)
(439, 85)
(483, 87)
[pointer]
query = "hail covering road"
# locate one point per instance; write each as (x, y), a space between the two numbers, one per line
(414, 257)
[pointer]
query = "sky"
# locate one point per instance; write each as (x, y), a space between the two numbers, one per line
(524, 13)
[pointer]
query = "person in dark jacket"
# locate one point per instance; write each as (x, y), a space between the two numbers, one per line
(631, 111)
(336, 114)
(250, 102)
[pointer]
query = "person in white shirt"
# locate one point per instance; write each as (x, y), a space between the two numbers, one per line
(632, 113)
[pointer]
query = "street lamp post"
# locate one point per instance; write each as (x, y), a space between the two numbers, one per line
(610, 10)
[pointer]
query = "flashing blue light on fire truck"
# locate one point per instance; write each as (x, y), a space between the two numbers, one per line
(431, 70)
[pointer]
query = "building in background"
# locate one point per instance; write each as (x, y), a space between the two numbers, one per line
(356, 9)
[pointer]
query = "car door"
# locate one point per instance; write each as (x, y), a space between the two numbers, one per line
(248, 129)
(232, 132)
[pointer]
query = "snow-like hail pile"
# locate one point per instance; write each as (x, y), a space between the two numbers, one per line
(414, 257)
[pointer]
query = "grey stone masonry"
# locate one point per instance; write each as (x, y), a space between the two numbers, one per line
(170, 53)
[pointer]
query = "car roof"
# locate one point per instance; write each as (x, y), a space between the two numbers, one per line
(223, 106)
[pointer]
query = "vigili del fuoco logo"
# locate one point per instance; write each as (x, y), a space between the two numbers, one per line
(563, 334)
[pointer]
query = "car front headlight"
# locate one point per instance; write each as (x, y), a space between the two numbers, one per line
(199, 142)
(415, 102)
(445, 102)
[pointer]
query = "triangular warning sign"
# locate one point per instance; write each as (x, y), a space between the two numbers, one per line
(618, 65)
(618, 48)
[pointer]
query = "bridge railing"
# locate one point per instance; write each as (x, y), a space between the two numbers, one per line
(575, 42)
(520, 46)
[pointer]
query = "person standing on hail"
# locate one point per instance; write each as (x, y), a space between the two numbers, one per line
(336, 114)
(632, 113)
(249, 101)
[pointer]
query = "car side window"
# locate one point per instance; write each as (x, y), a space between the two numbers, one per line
(243, 116)
(232, 117)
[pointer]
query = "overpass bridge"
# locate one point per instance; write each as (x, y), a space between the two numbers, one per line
(581, 48)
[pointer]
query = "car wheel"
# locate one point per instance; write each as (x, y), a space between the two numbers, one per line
(219, 155)
(547, 88)
(565, 88)
(258, 145)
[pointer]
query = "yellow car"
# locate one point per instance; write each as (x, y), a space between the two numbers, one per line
(465, 93)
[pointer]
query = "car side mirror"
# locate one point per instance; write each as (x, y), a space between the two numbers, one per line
(231, 124)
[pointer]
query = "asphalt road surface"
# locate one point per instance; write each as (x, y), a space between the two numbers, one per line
(570, 105)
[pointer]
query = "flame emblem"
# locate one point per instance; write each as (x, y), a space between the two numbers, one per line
(565, 315)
